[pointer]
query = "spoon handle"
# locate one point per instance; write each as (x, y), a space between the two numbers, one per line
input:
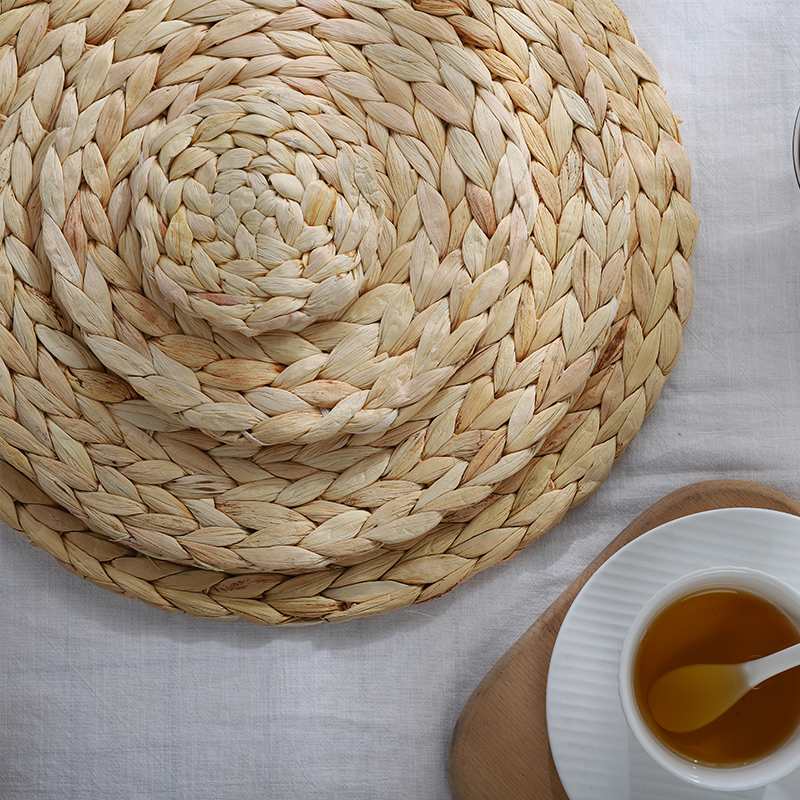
(762, 668)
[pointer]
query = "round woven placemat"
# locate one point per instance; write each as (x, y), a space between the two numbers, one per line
(312, 310)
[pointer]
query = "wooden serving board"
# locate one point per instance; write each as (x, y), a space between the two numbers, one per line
(499, 749)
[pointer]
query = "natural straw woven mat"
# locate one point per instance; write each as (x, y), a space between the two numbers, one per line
(313, 309)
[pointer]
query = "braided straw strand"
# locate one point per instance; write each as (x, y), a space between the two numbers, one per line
(313, 310)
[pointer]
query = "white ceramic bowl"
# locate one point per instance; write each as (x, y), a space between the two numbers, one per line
(768, 769)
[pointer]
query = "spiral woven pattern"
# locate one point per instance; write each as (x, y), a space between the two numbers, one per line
(313, 310)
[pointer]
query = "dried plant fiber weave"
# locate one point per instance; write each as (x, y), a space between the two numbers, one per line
(312, 310)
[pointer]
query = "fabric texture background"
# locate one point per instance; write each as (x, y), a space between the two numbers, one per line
(103, 697)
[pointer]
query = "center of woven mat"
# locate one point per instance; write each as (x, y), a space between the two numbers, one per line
(258, 216)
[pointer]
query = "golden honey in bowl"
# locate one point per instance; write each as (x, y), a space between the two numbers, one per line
(722, 626)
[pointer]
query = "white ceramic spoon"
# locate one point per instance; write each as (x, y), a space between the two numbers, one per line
(687, 698)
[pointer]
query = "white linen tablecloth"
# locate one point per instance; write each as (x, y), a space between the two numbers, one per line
(104, 698)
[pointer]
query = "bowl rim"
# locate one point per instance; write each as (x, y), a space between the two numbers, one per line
(796, 148)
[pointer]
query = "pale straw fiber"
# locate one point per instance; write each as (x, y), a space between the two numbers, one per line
(312, 309)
